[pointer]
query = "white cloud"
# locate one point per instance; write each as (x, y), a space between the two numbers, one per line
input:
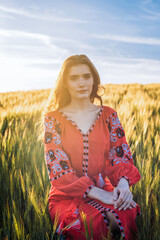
(21, 34)
(43, 43)
(41, 16)
(127, 39)
(42, 38)
(150, 14)
(2, 15)
(129, 70)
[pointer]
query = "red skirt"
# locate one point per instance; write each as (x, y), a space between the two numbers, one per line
(80, 218)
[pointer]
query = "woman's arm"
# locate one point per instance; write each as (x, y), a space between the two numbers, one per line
(119, 166)
(102, 195)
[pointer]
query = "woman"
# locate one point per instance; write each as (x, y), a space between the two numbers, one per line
(89, 162)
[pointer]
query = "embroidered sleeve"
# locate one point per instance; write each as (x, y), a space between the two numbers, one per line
(61, 174)
(120, 162)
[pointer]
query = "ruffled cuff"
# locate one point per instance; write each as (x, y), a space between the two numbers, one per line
(128, 171)
(132, 176)
(87, 191)
(125, 177)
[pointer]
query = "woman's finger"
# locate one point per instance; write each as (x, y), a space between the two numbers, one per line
(133, 204)
(126, 203)
(124, 206)
(129, 203)
(115, 194)
(122, 197)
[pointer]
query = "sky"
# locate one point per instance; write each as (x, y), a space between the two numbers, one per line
(121, 37)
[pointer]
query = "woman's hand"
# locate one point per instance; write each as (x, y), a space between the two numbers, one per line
(102, 195)
(122, 196)
(114, 198)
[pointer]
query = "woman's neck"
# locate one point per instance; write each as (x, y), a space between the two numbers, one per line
(80, 105)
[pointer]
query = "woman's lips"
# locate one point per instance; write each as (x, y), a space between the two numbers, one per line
(82, 91)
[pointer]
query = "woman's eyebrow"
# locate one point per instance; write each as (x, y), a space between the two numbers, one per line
(87, 74)
(75, 75)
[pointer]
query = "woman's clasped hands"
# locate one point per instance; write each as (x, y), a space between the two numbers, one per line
(122, 196)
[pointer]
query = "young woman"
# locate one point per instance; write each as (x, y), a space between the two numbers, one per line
(89, 161)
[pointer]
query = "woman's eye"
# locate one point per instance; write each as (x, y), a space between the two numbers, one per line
(87, 77)
(73, 78)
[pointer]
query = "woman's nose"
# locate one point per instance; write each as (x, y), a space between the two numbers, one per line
(81, 82)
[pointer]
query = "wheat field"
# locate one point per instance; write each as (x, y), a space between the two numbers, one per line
(24, 183)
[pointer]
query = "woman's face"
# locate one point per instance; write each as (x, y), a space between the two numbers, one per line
(79, 82)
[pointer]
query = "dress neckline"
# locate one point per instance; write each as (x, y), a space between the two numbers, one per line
(75, 124)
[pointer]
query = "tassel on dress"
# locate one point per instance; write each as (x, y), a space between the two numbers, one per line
(100, 181)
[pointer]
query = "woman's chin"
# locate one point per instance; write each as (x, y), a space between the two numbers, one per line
(84, 97)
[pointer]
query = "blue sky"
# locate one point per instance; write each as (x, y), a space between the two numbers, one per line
(121, 37)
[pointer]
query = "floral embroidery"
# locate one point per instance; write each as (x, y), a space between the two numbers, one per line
(120, 133)
(115, 122)
(119, 151)
(48, 137)
(51, 155)
(57, 161)
(64, 165)
(52, 128)
(126, 150)
(115, 128)
(56, 168)
(57, 128)
(60, 155)
(120, 154)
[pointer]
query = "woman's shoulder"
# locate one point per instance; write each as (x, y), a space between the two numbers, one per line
(50, 113)
(108, 111)
(55, 114)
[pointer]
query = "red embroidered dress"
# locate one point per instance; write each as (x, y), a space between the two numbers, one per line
(77, 162)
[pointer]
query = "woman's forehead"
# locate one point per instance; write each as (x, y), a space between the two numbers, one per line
(79, 69)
